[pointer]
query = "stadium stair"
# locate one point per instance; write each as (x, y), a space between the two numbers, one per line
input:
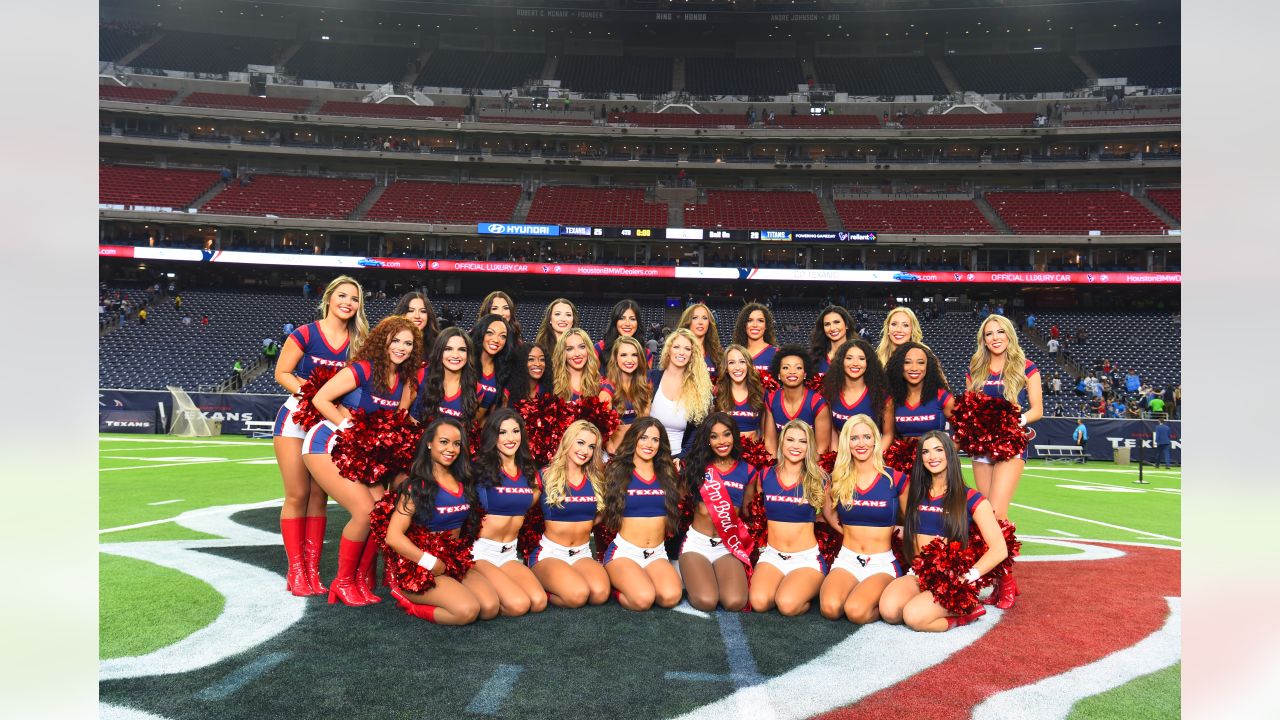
(146, 44)
(549, 67)
(369, 200)
(208, 195)
(830, 213)
(944, 73)
(677, 75)
(287, 54)
(1159, 212)
(522, 207)
(991, 215)
(1085, 67)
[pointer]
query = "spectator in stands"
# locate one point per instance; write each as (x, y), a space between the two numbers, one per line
(1106, 366)
(1164, 445)
(271, 352)
(1031, 321)
(1054, 346)
(286, 329)
(1177, 402)
(1054, 332)
(1057, 384)
(1082, 335)
(1156, 403)
(204, 320)
(1115, 409)
(186, 320)
(177, 302)
(237, 367)
(306, 290)
(1132, 383)
(142, 316)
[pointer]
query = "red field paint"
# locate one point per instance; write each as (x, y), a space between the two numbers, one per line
(1069, 614)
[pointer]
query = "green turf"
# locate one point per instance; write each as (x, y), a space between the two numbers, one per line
(1151, 697)
(1031, 547)
(135, 618)
(163, 531)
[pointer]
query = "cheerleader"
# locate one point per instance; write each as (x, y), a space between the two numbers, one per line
(699, 320)
(681, 389)
(754, 330)
(938, 503)
(922, 401)
(858, 386)
(559, 317)
(575, 370)
(900, 326)
(793, 401)
(418, 309)
(500, 303)
(448, 384)
(642, 493)
(740, 393)
(624, 321)
(626, 386)
(829, 332)
(529, 377)
(1000, 368)
(326, 342)
(572, 493)
(379, 378)
(491, 336)
(711, 572)
(439, 499)
(790, 569)
(863, 505)
(507, 486)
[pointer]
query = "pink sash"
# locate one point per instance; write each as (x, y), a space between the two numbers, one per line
(732, 531)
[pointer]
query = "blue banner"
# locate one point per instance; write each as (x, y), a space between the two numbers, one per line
(1106, 435)
(497, 228)
(232, 409)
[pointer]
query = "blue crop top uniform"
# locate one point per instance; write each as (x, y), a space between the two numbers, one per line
(810, 406)
(449, 513)
(748, 419)
(628, 412)
(783, 504)
(994, 387)
(764, 358)
(876, 507)
(366, 396)
(578, 505)
(909, 421)
(841, 413)
(316, 352)
(645, 499)
(487, 390)
(735, 481)
(449, 406)
(510, 496)
(931, 512)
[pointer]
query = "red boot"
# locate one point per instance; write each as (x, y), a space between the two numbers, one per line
(344, 586)
(994, 595)
(425, 612)
(291, 530)
(1008, 592)
(366, 570)
(959, 620)
(312, 544)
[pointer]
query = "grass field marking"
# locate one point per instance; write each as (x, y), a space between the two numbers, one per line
(167, 458)
(193, 446)
(227, 686)
(495, 690)
(1163, 473)
(895, 651)
(1087, 552)
(1053, 697)
(165, 502)
(107, 711)
(215, 461)
(687, 609)
(1127, 543)
(1063, 532)
(1126, 486)
(196, 513)
(1096, 522)
(753, 699)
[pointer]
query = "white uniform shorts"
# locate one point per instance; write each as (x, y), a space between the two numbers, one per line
(320, 439)
(495, 552)
(864, 566)
(643, 557)
(791, 561)
(708, 547)
(284, 425)
(548, 550)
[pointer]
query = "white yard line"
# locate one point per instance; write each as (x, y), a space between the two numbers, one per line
(1096, 522)
(1166, 491)
(165, 502)
(179, 441)
(1063, 532)
(191, 514)
(181, 464)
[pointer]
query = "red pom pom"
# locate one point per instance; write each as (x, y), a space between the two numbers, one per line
(306, 416)
(770, 382)
(545, 420)
(684, 518)
(1011, 542)
(376, 446)
(758, 525)
(603, 536)
(940, 568)
(901, 454)
(987, 426)
(755, 454)
(827, 461)
(829, 541)
(454, 553)
(598, 413)
(531, 531)
(814, 382)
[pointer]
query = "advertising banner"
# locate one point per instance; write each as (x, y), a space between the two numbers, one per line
(1105, 435)
(233, 409)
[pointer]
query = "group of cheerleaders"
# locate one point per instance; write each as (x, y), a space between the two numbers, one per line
(450, 526)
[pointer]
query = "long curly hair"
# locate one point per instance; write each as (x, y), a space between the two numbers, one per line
(770, 336)
(502, 362)
(617, 475)
(633, 388)
(843, 478)
(489, 460)
(358, 325)
(724, 383)
(560, 383)
(815, 478)
(422, 487)
(556, 474)
(375, 352)
(819, 343)
(486, 308)
(522, 385)
(700, 456)
(711, 341)
(934, 380)
(547, 338)
(695, 381)
(885, 348)
(611, 333)
(1014, 374)
(873, 377)
(955, 518)
(432, 328)
(433, 390)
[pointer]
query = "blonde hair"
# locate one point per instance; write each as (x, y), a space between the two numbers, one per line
(556, 474)
(814, 477)
(560, 367)
(636, 390)
(546, 336)
(711, 348)
(358, 325)
(883, 350)
(843, 480)
(1014, 374)
(695, 381)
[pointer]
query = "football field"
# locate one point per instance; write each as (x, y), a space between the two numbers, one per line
(196, 623)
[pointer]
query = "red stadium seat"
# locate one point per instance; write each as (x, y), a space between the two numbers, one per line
(291, 196)
(247, 102)
(929, 217)
(438, 202)
(384, 110)
(606, 207)
(757, 209)
(121, 93)
(969, 120)
(154, 187)
(1170, 200)
(1075, 213)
